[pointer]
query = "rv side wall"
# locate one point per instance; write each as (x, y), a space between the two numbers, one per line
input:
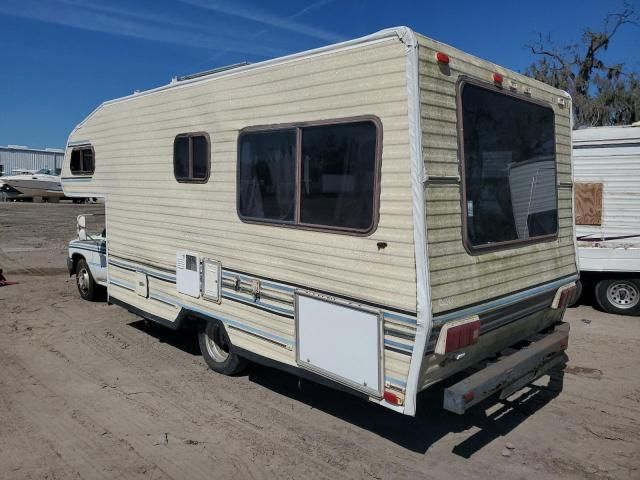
(151, 216)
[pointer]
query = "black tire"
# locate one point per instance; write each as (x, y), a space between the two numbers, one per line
(620, 296)
(87, 287)
(217, 350)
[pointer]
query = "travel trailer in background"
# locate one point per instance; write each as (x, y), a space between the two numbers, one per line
(607, 207)
(376, 215)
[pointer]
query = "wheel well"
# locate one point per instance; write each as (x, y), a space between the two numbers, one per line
(595, 277)
(75, 258)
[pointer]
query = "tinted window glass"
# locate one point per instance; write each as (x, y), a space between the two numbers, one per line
(181, 157)
(200, 147)
(338, 175)
(87, 160)
(267, 175)
(81, 161)
(510, 168)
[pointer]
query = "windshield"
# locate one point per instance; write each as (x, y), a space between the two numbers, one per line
(509, 168)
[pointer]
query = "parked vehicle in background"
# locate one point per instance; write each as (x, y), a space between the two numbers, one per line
(376, 215)
(36, 184)
(606, 170)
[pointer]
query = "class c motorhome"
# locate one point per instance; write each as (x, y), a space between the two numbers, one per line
(376, 215)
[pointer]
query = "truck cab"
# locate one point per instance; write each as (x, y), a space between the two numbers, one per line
(87, 261)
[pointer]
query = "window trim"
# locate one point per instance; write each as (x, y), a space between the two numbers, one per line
(190, 179)
(476, 250)
(297, 127)
(83, 173)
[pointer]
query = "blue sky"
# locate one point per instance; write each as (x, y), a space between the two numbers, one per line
(61, 58)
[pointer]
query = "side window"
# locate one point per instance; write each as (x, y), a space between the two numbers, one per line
(322, 176)
(339, 176)
(267, 176)
(191, 157)
(82, 161)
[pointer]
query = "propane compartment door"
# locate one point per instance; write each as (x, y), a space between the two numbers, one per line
(340, 341)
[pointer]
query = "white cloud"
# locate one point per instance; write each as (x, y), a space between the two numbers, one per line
(255, 14)
(136, 24)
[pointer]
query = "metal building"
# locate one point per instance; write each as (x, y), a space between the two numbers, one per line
(15, 157)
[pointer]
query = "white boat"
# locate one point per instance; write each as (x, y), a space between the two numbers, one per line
(40, 183)
(7, 192)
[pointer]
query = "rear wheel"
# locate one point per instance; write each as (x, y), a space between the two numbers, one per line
(621, 296)
(87, 286)
(217, 350)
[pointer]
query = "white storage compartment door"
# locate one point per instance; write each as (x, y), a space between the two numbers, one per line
(340, 341)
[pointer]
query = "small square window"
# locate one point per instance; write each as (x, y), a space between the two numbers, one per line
(82, 161)
(191, 157)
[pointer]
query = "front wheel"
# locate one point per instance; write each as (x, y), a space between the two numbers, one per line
(87, 286)
(620, 296)
(217, 350)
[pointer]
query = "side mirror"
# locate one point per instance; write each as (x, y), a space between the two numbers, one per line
(81, 227)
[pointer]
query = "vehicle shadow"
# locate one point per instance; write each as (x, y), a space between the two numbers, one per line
(184, 339)
(492, 417)
(487, 421)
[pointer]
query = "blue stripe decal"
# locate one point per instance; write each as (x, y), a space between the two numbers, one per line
(240, 326)
(160, 298)
(274, 308)
(125, 285)
(400, 318)
(402, 346)
(395, 381)
(76, 179)
(230, 275)
(151, 273)
(502, 302)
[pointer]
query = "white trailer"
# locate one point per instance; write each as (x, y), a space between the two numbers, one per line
(377, 215)
(606, 164)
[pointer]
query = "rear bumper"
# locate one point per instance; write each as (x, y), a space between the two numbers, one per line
(510, 373)
(70, 265)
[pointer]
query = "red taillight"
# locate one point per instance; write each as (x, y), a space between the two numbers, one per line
(462, 336)
(498, 78)
(467, 397)
(442, 58)
(393, 398)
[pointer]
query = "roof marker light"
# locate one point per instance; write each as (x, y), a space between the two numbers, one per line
(497, 78)
(442, 58)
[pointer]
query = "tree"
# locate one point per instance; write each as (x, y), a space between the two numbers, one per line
(602, 94)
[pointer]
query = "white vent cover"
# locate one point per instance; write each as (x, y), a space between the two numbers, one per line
(188, 273)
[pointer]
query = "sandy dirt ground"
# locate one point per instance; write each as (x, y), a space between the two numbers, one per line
(90, 391)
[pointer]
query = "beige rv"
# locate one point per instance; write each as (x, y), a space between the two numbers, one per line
(377, 215)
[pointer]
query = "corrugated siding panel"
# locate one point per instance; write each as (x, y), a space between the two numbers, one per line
(150, 215)
(12, 159)
(618, 169)
(457, 278)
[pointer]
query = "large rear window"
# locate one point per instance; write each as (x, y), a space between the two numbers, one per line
(509, 168)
